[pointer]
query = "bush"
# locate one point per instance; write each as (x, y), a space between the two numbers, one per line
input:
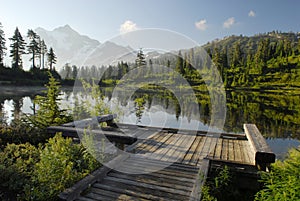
(283, 182)
(19, 132)
(61, 164)
(16, 166)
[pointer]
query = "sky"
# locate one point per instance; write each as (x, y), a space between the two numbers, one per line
(200, 20)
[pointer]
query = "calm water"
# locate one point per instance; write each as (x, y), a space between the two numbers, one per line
(276, 115)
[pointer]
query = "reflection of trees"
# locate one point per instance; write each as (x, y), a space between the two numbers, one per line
(17, 103)
(2, 114)
(276, 115)
(139, 105)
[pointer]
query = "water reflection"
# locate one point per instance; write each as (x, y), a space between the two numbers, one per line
(276, 115)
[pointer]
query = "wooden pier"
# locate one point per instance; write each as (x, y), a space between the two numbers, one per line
(156, 149)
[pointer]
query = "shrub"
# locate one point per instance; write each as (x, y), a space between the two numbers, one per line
(61, 164)
(282, 183)
(16, 166)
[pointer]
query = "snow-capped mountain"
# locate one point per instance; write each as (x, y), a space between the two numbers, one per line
(80, 50)
(69, 45)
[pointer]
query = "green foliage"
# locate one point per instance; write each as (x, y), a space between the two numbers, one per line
(93, 106)
(41, 173)
(61, 164)
(282, 183)
(49, 112)
(19, 132)
(17, 49)
(224, 187)
(16, 166)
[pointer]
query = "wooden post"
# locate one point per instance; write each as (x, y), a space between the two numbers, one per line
(263, 155)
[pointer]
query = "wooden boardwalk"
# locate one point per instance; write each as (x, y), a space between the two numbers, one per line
(172, 165)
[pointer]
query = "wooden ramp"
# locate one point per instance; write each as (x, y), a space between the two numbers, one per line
(169, 164)
(175, 182)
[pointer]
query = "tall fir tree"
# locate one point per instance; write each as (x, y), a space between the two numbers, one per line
(2, 45)
(51, 58)
(43, 51)
(17, 49)
(179, 63)
(140, 60)
(33, 46)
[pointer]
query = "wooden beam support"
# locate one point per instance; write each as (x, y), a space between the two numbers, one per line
(263, 155)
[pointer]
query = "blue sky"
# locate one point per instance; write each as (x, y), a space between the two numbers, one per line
(201, 20)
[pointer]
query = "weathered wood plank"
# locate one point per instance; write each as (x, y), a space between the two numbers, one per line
(231, 150)
(115, 136)
(151, 180)
(197, 153)
(199, 182)
(91, 122)
(188, 156)
(172, 193)
(123, 190)
(263, 153)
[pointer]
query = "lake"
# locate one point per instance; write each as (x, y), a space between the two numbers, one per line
(277, 115)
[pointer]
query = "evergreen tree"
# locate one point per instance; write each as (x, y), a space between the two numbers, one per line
(17, 49)
(43, 51)
(33, 46)
(74, 72)
(49, 112)
(51, 58)
(140, 60)
(236, 59)
(2, 45)
(179, 63)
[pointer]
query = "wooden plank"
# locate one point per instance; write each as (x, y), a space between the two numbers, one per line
(115, 136)
(148, 144)
(136, 167)
(174, 192)
(92, 122)
(133, 147)
(160, 142)
(225, 149)
(174, 150)
(216, 153)
(73, 192)
(263, 153)
(237, 150)
(95, 196)
(243, 158)
(197, 154)
(158, 178)
(199, 182)
(185, 147)
(111, 195)
(141, 190)
(162, 164)
(151, 180)
(188, 156)
(165, 148)
(172, 178)
(129, 190)
(81, 198)
(230, 150)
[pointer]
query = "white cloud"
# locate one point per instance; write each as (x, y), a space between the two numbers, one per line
(251, 13)
(229, 22)
(201, 25)
(128, 26)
